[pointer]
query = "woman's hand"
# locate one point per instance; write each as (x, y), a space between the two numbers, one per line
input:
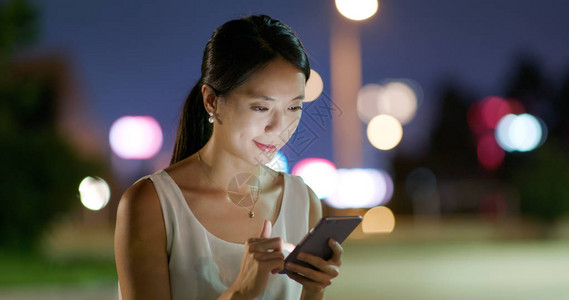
(314, 281)
(262, 256)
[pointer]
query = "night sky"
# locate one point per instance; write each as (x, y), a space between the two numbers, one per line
(142, 57)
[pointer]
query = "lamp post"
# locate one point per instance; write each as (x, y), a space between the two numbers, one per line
(346, 79)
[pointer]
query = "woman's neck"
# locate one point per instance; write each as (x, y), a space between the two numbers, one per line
(222, 167)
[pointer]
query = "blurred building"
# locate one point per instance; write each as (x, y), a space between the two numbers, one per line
(65, 106)
(73, 118)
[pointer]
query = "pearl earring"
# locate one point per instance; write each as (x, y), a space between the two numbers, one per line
(210, 117)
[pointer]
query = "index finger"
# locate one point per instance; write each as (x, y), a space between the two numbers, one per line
(267, 229)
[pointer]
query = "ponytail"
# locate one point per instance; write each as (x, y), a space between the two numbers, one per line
(194, 130)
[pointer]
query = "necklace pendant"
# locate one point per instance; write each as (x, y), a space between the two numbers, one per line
(251, 214)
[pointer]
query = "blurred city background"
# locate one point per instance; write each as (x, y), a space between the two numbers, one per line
(443, 123)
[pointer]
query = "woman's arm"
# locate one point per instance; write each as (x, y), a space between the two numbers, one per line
(140, 245)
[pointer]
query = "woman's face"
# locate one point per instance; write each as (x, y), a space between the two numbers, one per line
(256, 119)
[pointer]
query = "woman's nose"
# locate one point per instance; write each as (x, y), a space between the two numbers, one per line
(276, 123)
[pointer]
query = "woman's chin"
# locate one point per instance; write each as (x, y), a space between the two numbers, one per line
(263, 158)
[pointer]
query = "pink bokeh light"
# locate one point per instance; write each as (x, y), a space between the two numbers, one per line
(136, 137)
(490, 154)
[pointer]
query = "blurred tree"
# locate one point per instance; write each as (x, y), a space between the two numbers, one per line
(452, 155)
(453, 143)
(41, 170)
(18, 26)
(534, 90)
(562, 108)
(541, 176)
(542, 183)
(538, 177)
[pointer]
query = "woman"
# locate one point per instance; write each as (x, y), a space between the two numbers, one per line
(180, 234)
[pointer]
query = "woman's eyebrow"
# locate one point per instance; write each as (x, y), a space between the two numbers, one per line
(269, 98)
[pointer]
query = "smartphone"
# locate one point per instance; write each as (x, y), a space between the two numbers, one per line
(315, 241)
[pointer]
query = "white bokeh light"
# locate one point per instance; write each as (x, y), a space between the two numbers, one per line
(94, 193)
(318, 173)
(360, 188)
(367, 101)
(136, 137)
(502, 132)
(389, 188)
(384, 132)
(525, 132)
(357, 10)
(279, 163)
(519, 132)
(399, 100)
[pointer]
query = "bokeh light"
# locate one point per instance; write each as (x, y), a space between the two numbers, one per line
(520, 132)
(279, 163)
(361, 188)
(525, 132)
(388, 188)
(357, 10)
(384, 132)
(318, 173)
(492, 110)
(136, 137)
(490, 155)
(367, 101)
(503, 132)
(379, 219)
(399, 100)
(94, 193)
(483, 116)
(314, 87)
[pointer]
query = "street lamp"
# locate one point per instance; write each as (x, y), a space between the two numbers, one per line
(357, 10)
(346, 79)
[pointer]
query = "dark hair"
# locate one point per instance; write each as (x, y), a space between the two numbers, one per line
(235, 51)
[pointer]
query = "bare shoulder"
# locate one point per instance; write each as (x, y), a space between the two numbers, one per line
(140, 201)
(139, 215)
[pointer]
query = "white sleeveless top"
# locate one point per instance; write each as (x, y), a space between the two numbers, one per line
(203, 266)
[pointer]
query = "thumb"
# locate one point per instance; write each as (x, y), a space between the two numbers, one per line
(267, 228)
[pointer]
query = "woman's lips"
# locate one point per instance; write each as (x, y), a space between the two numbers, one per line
(266, 148)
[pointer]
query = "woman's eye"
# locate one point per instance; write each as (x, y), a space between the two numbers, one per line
(295, 108)
(259, 108)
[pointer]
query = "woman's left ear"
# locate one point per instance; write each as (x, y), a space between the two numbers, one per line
(209, 97)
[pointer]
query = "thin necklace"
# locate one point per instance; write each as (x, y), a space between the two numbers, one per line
(255, 192)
